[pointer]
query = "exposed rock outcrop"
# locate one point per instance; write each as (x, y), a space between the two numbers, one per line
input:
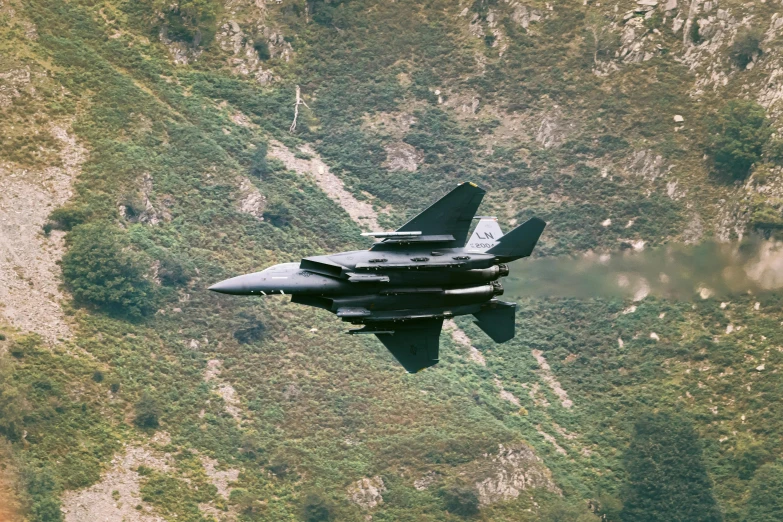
(367, 492)
(426, 480)
(401, 156)
(513, 469)
(29, 275)
(138, 207)
(220, 478)
(249, 51)
(251, 201)
(224, 389)
(648, 165)
(524, 15)
(180, 52)
(117, 496)
(552, 131)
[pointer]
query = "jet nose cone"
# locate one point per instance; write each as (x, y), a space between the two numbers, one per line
(223, 287)
(234, 286)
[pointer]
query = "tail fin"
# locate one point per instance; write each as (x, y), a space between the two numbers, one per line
(497, 320)
(520, 242)
(486, 235)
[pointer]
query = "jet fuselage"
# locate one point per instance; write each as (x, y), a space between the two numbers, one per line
(363, 284)
(405, 285)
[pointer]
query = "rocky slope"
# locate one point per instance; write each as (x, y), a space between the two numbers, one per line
(171, 127)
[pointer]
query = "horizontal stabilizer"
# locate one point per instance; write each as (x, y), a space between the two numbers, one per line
(497, 320)
(520, 242)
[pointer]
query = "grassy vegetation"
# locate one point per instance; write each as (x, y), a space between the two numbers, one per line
(320, 410)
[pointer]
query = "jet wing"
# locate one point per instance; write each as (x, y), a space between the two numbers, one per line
(451, 215)
(415, 344)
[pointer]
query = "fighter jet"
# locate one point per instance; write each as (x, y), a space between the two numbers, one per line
(410, 280)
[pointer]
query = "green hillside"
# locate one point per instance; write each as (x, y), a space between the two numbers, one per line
(147, 153)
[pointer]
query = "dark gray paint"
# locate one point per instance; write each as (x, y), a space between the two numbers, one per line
(403, 287)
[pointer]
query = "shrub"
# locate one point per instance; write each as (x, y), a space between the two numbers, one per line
(746, 45)
(192, 21)
(738, 134)
(250, 332)
(751, 458)
(134, 206)
(766, 217)
(44, 495)
(174, 272)
(147, 412)
(97, 376)
(278, 214)
(262, 49)
(246, 502)
(258, 165)
(13, 406)
(65, 218)
(461, 501)
(694, 32)
(101, 268)
(316, 508)
(773, 150)
(559, 510)
(325, 12)
(279, 467)
(24, 345)
(766, 495)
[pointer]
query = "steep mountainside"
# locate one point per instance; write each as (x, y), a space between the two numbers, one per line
(151, 148)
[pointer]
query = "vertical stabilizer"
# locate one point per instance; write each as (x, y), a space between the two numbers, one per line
(486, 234)
(520, 242)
